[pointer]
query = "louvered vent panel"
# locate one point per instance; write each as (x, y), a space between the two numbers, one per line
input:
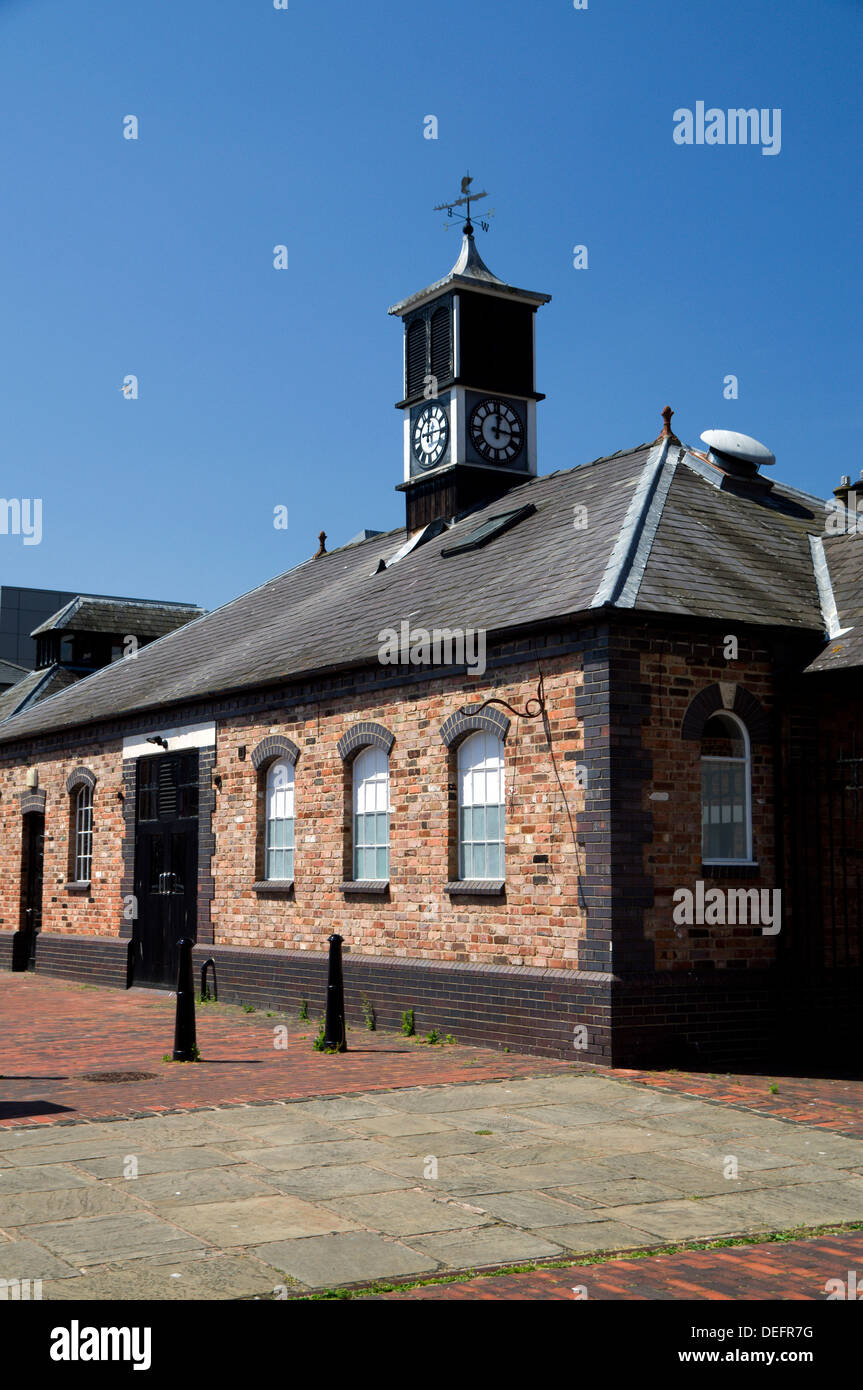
(167, 789)
(416, 357)
(441, 344)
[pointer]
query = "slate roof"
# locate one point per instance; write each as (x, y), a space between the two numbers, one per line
(660, 538)
(10, 672)
(137, 617)
(35, 686)
(844, 555)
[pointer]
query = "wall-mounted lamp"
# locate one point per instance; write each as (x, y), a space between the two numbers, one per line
(217, 781)
(159, 741)
(241, 752)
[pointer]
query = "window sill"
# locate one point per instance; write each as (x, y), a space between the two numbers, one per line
(750, 870)
(79, 886)
(379, 886)
(476, 887)
(274, 885)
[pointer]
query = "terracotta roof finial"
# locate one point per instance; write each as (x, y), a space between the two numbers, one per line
(322, 549)
(667, 432)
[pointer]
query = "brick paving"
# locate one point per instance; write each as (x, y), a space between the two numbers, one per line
(54, 1032)
(790, 1270)
(834, 1103)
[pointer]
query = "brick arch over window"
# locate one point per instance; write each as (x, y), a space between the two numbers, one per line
(745, 706)
(272, 747)
(364, 735)
(32, 800)
(80, 777)
(467, 721)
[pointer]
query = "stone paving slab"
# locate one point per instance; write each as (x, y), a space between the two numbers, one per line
(24, 1259)
(317, 1184)
(197, 1185)
(588, 1237)
(325, 1261)
(98, 1239)
(448, 1144)
(614, 1192)
(489, 1246)
(405, 1213)
(315, 1155)
(254, 1220)
(60, 1204)
(397, 1126)
(216, 1277)
(678, 1221)
(275, 1132)
(45, 1179)
(531, 1209)
(170, 1160)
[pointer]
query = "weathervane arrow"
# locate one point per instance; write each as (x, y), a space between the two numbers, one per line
(465, 201)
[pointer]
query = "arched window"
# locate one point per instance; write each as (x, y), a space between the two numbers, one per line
(279, 844)
(371, 780)
(481, 807)
(83, 830)
(726, 791)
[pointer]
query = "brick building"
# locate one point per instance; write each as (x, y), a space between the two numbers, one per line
(540, 757)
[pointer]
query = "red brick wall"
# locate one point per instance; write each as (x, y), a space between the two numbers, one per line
(675, 671)
(100, 912)
(536, 923)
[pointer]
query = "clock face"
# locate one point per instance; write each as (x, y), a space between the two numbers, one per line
(430, 436)
(496, 431)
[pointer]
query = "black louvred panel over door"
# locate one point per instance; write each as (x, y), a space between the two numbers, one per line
(167, 789)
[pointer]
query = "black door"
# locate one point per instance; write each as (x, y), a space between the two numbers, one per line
(32, 856)
(166, 864)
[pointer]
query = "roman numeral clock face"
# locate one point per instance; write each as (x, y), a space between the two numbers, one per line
(430, 436)
(496, 431)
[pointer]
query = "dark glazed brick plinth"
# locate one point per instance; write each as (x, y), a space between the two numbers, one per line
(529, 1011)
(92, 960)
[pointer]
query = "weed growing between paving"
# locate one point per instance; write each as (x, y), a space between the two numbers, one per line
(578, 1261)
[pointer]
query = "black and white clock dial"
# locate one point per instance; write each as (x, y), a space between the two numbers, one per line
(430, 436)
(496, 431)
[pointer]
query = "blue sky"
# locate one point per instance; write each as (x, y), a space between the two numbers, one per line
(260, 388)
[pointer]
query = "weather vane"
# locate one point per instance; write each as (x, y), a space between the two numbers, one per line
(465, 201)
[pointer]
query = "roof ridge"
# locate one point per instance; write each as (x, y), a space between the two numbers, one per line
(637, 532)
(826, 595)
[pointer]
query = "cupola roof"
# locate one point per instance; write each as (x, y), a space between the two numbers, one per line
(470, 272)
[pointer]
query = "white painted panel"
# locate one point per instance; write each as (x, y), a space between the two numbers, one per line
(179, 738)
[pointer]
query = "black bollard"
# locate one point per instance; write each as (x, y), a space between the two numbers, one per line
(334, 1025)
(185, 1043)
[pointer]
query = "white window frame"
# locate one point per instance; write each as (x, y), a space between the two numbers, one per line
(474, 771)
(371, 799)
(83, 861)
(746, 762)
(279, 796)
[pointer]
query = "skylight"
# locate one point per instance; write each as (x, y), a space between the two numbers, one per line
(488, 530)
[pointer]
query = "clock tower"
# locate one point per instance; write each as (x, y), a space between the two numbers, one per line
(470, 392)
